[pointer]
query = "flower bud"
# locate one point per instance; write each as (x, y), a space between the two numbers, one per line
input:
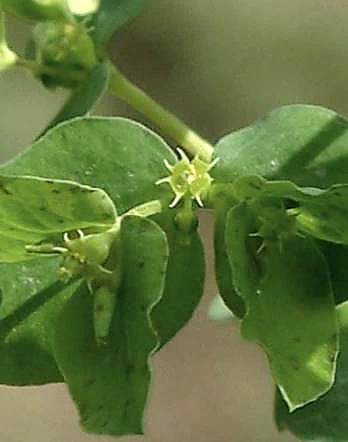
(65, 46)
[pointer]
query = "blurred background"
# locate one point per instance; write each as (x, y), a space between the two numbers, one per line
(220, 66)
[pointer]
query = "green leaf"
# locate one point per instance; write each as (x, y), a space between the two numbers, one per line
(240, 223)
(32, 298)
(34, 209)
(184, 278)
(336, 257)
(223, 270)
(325, 420)
(320, 213)
(110, 382)
(305, 144)
(117, 155)
(111, 15)
(97, 152)
(84, 97)
(290, 307)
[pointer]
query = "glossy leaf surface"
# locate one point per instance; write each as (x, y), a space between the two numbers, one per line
(223, 201)
(31, 300)
(305, 144)
(184, 278)
(325, 420)
(290, 307)
(103, 153)
(336, 257)
(33, 209)
(109, 382)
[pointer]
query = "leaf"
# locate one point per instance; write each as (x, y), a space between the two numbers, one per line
(320, 213)
(240, 223)
(32, 209)
(325, 420)
(184, 279)
(110, 382)
(336, 257)
(290, 307)
(117, 155)
(31, 300)
(101, 153)
(305, 144)
(111, 15)
(83, 99)
(223, 270)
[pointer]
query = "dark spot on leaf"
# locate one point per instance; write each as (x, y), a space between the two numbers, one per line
(127, 404)
(143, 308)
(49, 181)
(61, 221)
(332, 358)
(290, 204)
(334, 337)
(294, 363)
(141, 264)
(254, 185)
(99, 307)
(129, 368)
(56, 191)
(89, 382)
(297, 339)
(5, 189)
(104, 424)
(42, 209)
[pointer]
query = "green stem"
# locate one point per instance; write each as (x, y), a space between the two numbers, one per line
(169, 123)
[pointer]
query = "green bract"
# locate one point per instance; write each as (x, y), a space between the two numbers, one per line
(324, 420)
(290, 307)
(109, 381)
(35, 210)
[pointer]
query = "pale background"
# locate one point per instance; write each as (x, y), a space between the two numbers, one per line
(220, 65)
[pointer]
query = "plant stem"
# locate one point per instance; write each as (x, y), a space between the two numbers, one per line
(191, 142)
